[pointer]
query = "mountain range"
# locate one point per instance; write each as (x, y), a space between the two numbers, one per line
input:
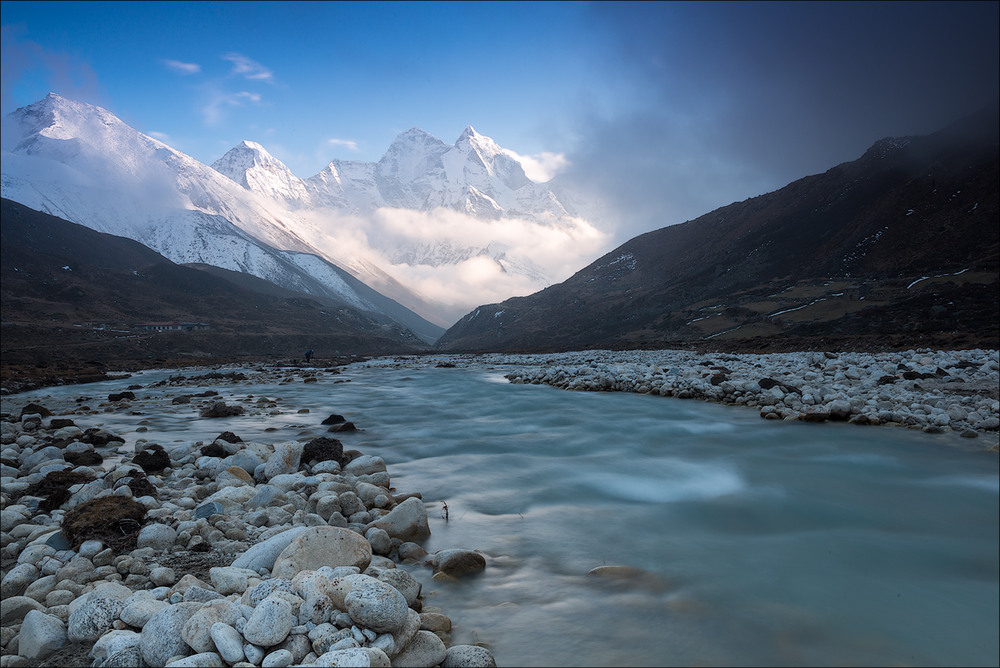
(897, 248)
(334, 235)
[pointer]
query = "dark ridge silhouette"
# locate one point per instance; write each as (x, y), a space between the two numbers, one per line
(833, 259)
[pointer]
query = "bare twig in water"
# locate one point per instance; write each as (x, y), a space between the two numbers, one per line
(444, 510)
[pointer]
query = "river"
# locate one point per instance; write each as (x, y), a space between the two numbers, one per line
(761, 542)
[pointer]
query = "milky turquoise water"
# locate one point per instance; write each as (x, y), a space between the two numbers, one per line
(767, 543)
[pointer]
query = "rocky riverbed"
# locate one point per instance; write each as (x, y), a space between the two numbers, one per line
(221, 553)
(228, 552)
(935, 391)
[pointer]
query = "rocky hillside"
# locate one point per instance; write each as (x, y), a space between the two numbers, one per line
(72, 295)
(896, 249)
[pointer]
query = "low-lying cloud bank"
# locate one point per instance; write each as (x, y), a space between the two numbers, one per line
(455, 261)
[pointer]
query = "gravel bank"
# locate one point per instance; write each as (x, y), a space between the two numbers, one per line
(934, 391)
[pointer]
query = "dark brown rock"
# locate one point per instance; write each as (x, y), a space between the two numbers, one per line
(99, 437)
(347, 426)
(85, 458)
(219, 410)
(323, 449)
(213, 450)
(152, 459)
(35, 409)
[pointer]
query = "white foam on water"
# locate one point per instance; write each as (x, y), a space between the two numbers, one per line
(986, 483)
(865, 458)
(667, 481)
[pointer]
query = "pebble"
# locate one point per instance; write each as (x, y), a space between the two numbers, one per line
(355, 656)
(200, 660)
(270, 622)
(156, 536)
(376, 605)
(228, 641)
(137, 613)
(253, 654)
(424, 650)
(278, 659)
(162, 576)
(14, 609)
(41, 635)
(113, 643)
(458, 562)
(468, 656)
(323, 546)
(161, 638)
(17, 579)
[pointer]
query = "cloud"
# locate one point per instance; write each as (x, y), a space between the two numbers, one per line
(540, 167)
(249, 69)
(456, 261)
(349, 144)
(213, 111)
(181, 67)
(708, 103)
(58, 72)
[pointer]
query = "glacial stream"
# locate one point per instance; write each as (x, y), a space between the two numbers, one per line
(761, 543)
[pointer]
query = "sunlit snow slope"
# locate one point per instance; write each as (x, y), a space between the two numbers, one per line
(81, 163)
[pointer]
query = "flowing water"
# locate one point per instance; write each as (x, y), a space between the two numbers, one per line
(761, 543)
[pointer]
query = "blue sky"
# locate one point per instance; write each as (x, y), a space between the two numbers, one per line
(667, 110)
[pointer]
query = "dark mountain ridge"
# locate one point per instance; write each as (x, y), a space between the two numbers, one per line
(71, 294)
(829, 258)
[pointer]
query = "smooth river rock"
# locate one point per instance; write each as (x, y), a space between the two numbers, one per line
(376, 605)
(407, 521)
(458, 562)
(41, 635)
(322, 546)
(468, 656)
(263, 554)
(270, 622)
(355, 656)
(161, 636)
(425, 650)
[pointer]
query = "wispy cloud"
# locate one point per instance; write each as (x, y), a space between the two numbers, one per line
(540, 167)
(248, 69)
(59, 72)
(349, 144)
(213, 111)
(182, 67)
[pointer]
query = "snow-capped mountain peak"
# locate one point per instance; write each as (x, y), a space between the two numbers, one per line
(250, 165)
(470, 140)
(426, 208)
(58, 128)
(83, 164)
